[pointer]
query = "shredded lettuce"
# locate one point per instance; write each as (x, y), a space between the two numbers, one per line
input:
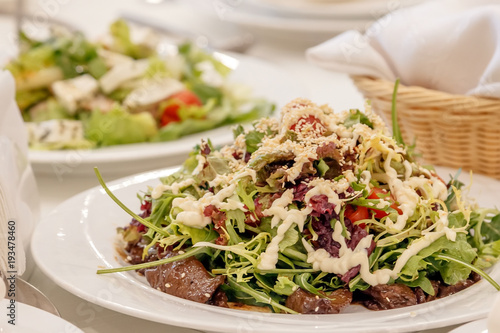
(120, 127)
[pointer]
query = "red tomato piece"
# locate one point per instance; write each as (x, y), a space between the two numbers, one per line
(354, 215)
(310, 119)
(171, 112)
(378, 193)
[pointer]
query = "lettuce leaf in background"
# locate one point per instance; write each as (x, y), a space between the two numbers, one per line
(25, 99)
(215, 117)
(122, 42)
(75, 55)
(61, 57)
(50, 109)
(119, 127)
(194, 56)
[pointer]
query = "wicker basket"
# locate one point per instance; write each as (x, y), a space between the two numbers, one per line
(450, 130)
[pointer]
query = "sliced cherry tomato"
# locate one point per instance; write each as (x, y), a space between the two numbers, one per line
(171, 112)
(310, 119)
(378, 193)
(360, 213)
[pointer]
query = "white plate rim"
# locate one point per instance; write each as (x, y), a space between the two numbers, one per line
(250, 15)
(31, 319)
(334, 9)
(423, 316)
(473, 326)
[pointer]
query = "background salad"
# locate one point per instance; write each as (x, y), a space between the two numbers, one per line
(75, 94)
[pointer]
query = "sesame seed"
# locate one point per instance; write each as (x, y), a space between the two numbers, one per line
(316, 309)
(207, 295)
(167, 285)
(183, 275)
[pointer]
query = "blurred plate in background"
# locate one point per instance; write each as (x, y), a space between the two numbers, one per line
(306, 22)
(265, 79)
(341, 9)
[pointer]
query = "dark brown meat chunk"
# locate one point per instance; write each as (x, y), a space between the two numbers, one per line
(219, 299)
(307, 303)
(422, 297)
(186, 278)
(384, 297)
(445, 290)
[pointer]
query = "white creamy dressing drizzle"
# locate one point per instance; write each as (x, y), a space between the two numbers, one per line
(192, 209)
(408, 169)
(279, 211)
(175, 188)
(323, 188)
(404, 192)
(201, 163)
(365, 178)
(321, 260)
(192, 212)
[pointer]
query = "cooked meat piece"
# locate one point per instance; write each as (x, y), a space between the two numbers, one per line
(305, 302)
(422, 297)
(393, 296)
(219, 299)
(445, 290)
(186, 278)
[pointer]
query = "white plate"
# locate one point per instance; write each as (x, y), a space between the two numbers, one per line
(333, 8)
(478, 326)
(29, 319)
(304, 22)
(265, 79)
(77, 238)
(267, 23)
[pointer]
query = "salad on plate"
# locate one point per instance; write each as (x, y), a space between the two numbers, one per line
(127, 87)
(309, 214)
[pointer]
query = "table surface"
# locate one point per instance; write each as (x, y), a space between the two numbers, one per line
(324, 87)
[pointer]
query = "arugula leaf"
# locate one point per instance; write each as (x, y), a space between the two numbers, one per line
(490, 231)
(422, 281)
(259, 296)
(451, 272)
(198, 235)
(396, 131)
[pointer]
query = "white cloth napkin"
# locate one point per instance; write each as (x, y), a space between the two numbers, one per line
(19, 200)
(451, 46)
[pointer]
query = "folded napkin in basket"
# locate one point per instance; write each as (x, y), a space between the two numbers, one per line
(451, 46)
(19, 202)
